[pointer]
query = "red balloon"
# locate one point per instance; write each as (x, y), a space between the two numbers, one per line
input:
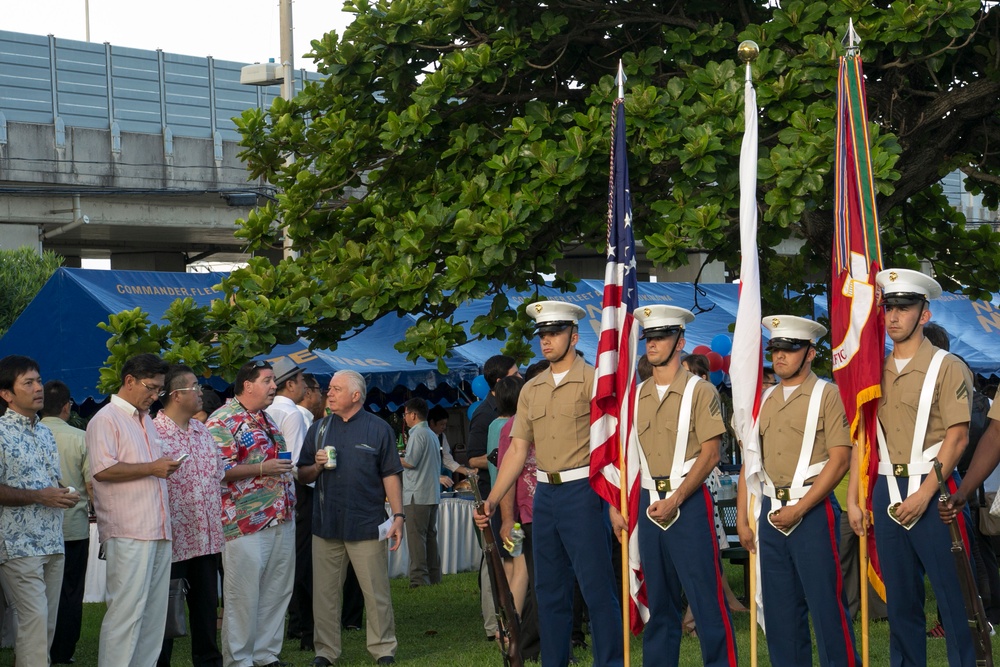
(701, 349)
(726, 360)
(714, 361)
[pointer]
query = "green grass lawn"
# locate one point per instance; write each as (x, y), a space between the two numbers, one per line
(441, 626)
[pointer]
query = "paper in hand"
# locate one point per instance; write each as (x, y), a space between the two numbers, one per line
(384, 528)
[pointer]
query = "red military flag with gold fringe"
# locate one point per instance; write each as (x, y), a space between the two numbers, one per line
(857, 329)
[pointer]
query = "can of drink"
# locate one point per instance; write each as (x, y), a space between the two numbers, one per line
(331, 461)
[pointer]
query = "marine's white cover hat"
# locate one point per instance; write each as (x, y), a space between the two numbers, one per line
(789, 332)
(906, 286)
(658, 320)
(552, 316)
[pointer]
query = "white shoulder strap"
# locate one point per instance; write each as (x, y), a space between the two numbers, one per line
(924, 407)
(917, 453)
(803, 470)
(677, 466)
(643, 463)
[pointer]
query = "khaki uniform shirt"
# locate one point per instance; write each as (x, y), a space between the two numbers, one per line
(897, 409)
(557, 419)
(782, 428)
(656, 421)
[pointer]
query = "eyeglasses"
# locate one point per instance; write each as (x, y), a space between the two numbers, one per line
(154, 390)
(197, 388)
(261, 364)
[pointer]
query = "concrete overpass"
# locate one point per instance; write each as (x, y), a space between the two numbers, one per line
(139, 144)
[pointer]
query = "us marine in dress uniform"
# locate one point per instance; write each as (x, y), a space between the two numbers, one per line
(678, 422)
(805, 445)
(572, 533)
(923, 414)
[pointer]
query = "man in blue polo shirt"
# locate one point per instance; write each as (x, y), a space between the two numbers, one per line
(348, 508)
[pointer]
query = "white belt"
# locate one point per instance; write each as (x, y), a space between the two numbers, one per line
(661, 484)
(563, 476)
(916, 468)
(788, 494)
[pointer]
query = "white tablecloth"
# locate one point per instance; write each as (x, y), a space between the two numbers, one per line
(95, 589)
(460, 551)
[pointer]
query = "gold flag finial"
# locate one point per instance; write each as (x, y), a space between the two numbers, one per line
(748, 51)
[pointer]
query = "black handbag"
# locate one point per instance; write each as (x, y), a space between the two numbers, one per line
(176, 621)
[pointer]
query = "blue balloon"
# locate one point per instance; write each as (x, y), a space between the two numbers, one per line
(716, 377)
(472, 408)
(722, 344)
(479, 387)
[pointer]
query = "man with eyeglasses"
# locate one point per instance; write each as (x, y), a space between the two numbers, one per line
(313, 404)
(195, 512)
(257, 510)
(133, 517)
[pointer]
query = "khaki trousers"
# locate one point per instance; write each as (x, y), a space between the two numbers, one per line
(138, 585)
(259, 570)
(371, 563)
(32, 585)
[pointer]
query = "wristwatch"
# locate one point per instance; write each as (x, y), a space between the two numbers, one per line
(400, 515)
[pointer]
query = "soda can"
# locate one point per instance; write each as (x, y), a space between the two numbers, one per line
(331, 461)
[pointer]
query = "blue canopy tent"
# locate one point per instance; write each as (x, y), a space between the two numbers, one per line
(972, 326)
(714, 305)
(59, 330)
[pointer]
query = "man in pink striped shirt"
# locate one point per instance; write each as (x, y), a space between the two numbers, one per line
(133, 517)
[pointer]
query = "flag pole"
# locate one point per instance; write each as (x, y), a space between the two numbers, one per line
(853, 43)
(748, 52)
(623, 489)
(863, 546)
(752, 595)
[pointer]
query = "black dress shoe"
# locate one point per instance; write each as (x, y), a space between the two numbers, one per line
(320, 661)
(386, 660)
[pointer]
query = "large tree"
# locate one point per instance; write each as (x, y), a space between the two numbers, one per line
(455, 147)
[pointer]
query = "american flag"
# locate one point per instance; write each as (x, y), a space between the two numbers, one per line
(612, 406)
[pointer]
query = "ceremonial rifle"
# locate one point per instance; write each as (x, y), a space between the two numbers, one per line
(507, 619)
(978, 625)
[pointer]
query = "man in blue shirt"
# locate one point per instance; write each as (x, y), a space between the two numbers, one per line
(31, 510)
(348, 509)
(421, 495)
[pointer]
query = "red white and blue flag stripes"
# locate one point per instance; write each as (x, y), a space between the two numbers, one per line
(613, 405)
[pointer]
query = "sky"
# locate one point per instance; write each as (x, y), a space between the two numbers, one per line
(239, 30)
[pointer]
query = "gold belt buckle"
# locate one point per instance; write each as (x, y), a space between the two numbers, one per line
(663, 485)
(783, 494)
(555, 478)
(900, 470)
